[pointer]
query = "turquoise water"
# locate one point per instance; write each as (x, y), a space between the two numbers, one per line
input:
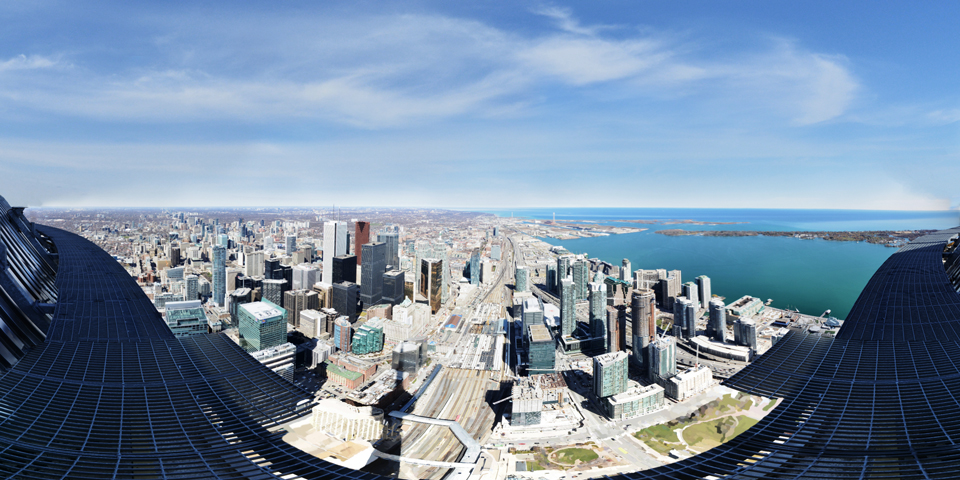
(757, 219)
(809, 275)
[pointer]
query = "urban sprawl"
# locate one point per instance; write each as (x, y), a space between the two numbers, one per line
(453, 343)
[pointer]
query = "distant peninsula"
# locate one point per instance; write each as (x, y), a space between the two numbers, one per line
(676, 222)
(890, 238)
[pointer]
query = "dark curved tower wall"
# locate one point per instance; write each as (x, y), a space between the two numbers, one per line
(27, 285)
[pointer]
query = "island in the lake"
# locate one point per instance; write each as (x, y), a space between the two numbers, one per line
(676, 222)
(889, 238)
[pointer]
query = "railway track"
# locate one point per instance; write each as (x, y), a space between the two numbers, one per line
(460, 396)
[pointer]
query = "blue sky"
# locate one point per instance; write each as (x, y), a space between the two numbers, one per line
(481, 104)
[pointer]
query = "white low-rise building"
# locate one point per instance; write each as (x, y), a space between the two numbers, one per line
(689, 383)
(637, 400)
(280, 359)
(312, 323)
(721, 349)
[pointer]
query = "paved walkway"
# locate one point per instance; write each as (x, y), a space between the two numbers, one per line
(418, 461)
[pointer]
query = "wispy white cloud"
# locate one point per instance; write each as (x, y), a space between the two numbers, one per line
(581, 61)
(806, 87)
(353, 100)
(24, 62)
(387, 71)
(831, 90)
(410, 95)
(815, 87)
(564, 19)
(945, 116)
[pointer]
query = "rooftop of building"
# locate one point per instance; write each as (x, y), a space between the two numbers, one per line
(663, 340)
(713, 345)
(539, 333)
(185, 313)
(610, 358)
(183, 305)
(525, 388)
(549, 380)
(531, 304)
(406, 347)
(335, 369)
(375, 322)
(634, 392)
(261, 311)
(743, 301)
(616, 280)
(690, 373)
(282, 349)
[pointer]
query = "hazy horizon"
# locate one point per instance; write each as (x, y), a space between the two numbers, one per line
(322, 209)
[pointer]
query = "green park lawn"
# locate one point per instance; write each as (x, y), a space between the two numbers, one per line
(659, 438)
(569, 456)
(706, 435)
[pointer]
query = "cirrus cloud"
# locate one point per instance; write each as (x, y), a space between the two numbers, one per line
(386, 71)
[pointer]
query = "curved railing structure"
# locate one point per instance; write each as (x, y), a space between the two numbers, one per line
(97, 386)
(27, 286)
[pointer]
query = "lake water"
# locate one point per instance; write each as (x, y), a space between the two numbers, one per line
(809, 275)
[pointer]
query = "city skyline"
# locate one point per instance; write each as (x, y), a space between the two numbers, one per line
(479, 240)
(480, 106)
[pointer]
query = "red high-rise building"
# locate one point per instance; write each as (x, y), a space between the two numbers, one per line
(361, 237)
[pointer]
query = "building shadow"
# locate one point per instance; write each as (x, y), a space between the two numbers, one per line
(583, 386)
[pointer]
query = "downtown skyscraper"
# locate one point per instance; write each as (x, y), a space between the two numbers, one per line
(598, 310)
(371, 272)
(361, 237)
(334, 244)
(219, 274)
(392, 239)
(568, 307)
(643, 308)
(703, 284)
